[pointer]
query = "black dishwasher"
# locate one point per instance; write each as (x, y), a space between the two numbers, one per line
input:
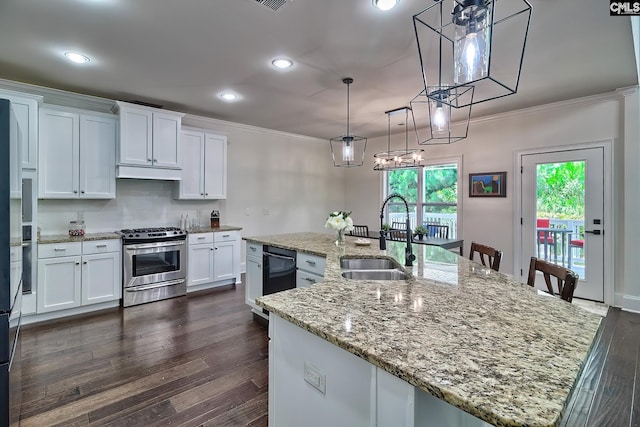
(279, 272)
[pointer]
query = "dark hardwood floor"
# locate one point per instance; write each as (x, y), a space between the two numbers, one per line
(201, 360)
(195, 360)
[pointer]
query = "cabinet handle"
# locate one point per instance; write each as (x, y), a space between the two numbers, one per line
(201, 238)
(59, 249)
(101, 246)
(311, 262)
(226, 235)
(310, 280)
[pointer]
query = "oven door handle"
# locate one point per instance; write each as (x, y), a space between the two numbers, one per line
(279, 256)
(155, 286)
(153, 245)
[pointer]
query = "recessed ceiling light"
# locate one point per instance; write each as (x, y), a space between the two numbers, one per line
(228, 96)
(282, 63)
(78, 58)
(385, 4)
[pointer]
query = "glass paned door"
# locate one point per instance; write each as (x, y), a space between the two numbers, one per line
(562, 212)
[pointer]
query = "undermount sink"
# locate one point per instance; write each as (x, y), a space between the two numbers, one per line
(368, 264)
(375, 275)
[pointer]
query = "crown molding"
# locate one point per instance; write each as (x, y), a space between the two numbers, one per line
(212, 124)
(592, 99)
(61, 97)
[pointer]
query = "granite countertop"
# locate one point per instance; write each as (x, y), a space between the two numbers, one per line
(213, 229)
(65, 238)
(478, 339)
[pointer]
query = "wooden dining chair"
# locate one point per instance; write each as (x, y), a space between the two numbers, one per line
(360, 231)
(437, 230)
(567, 280)
(489, 257)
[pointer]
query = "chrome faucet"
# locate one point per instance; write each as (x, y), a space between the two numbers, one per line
(409, 257)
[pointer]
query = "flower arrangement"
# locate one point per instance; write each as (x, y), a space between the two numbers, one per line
(340, 221)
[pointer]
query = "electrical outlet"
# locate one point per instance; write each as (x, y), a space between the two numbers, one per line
(247, 212)
(315, 377)
(266, 211)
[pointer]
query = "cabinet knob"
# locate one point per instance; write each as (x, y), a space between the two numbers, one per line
(216, 249)
(82, 191)
(155, 160)
(259, 265)
(206, 194)
(202, 194)
(149, 160)
(75, 191)
(84, 262)
(77, 263)
(211, 249)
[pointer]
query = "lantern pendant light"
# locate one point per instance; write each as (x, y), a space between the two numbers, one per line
(477, 43)
(348, 150)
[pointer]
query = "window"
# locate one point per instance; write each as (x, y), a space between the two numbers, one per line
(432, 194)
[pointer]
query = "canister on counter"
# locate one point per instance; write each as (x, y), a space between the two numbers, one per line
(215, 219)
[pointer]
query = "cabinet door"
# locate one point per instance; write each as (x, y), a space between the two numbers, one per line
(26, 111)
(215, 167)
(136, 133)
(59, 155)
(58, 283)
(101, 278)
(200, 269)
(166, 140)
(97, 157)
(191, 185)
(224, 260)
(253, 277)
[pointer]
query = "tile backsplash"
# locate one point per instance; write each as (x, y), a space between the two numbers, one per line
(138, 203)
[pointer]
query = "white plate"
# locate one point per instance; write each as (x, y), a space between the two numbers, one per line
(363, 242)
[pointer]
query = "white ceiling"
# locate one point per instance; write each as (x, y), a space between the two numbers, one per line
(181, 54)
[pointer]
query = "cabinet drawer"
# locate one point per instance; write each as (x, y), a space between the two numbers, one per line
(199, 238)
(54, 250)
(305, 279)
(311, 263)
(225, 236)
(254, 249)
(101, 246)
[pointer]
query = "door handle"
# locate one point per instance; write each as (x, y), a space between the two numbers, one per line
(597, 232)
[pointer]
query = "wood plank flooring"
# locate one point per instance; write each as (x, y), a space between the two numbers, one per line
(202, 360)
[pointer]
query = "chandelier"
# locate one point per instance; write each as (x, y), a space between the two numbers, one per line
(348, 150)
(398, 159)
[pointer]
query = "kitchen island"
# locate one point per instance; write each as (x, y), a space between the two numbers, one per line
(476, 339)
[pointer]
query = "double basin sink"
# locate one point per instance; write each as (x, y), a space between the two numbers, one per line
(372, 269)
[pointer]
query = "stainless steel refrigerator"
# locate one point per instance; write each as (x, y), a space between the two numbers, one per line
(10, 266)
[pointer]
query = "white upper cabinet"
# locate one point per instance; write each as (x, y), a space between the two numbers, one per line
(149, 142)
(204, 172)
(76, 155)
(25, 107)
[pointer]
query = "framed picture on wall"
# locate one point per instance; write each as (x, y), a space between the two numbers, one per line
(488, 184)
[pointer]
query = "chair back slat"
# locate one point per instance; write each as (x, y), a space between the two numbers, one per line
(437, 230)
(360, 231)
(567, 279)
(489, 257)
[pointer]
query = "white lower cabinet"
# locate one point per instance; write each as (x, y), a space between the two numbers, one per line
(253, 276)
(78, 274)
(310, 269)
(213, 260)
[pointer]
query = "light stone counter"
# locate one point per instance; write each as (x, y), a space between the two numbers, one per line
(65, 238)
(477, 339)
(206, 229)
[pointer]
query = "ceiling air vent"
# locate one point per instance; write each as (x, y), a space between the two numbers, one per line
(272, 4)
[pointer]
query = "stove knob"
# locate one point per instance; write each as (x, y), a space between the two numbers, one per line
(175, 232)
(130, 235)
(137, 235)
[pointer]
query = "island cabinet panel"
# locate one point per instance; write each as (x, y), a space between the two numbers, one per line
(314, 383)
(253, 276)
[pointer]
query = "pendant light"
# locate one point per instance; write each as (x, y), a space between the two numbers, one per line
(348, 150)
(477, 43)
(398, 159)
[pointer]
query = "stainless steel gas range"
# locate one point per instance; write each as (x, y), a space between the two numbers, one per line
(154, 262)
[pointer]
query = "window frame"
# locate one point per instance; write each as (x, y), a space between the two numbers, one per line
(420, 204)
